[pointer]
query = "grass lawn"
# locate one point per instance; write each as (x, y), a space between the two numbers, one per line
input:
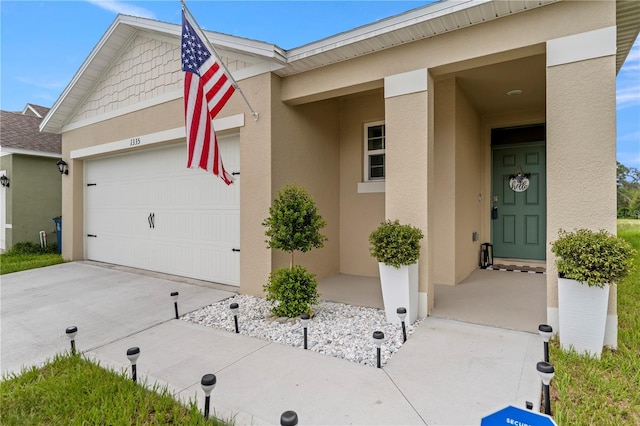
(602, 392)
(25, 256)
(70, 390)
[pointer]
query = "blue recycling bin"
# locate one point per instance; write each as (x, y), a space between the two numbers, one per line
(58, 222)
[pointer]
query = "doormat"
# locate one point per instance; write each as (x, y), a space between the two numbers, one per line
(518, 268)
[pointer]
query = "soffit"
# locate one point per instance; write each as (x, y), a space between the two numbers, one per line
(628, 26)
(421, 23)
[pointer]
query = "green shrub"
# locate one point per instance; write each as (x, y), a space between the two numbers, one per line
(395, 244)
(293, 291)
(294, 223)
(594, 258)
(26, 247)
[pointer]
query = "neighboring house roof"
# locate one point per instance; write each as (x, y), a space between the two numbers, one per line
(37, 110)
(20, 133)
(421, 23)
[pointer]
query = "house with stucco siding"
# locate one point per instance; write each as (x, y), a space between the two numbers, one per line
(423, 117)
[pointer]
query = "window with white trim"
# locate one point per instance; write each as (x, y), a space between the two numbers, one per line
(374, 151)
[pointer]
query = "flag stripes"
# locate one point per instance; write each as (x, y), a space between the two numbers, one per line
(207, 88)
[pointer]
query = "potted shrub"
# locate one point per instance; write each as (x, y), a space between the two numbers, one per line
(588, 263)
(396, 247)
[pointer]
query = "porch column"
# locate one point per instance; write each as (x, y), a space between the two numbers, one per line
(409, 165)
(581, 147)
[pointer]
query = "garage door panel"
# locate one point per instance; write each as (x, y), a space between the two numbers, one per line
(196, 221)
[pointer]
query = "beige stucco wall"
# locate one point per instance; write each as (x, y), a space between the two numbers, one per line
(410, 173)
(445, 182)
(459, 177)
(305, 151)
(360, 213)
(581, 153)
(256, 185)
(468, 187)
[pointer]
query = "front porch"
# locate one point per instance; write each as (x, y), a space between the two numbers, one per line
(505, 299)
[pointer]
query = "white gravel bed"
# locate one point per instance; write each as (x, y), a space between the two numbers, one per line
(338, 330)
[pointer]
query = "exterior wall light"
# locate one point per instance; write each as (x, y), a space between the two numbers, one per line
(63, 168)
(4, 181)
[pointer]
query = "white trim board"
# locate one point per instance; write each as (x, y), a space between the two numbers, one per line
(580, 47)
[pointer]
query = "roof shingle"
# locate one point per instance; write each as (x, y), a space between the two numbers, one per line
(22, 131)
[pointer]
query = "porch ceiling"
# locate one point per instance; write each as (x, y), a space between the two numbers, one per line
(487, 87)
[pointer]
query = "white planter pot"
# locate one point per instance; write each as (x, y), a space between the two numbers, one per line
(582, 316)
(399, 289)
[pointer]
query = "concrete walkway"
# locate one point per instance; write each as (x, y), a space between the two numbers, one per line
(448, 373)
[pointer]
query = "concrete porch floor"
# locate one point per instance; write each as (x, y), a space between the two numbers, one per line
(511, 300)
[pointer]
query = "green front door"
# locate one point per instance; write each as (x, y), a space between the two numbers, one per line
(520, 222)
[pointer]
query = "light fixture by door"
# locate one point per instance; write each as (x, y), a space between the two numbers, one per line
(62, 167)
(4, 181)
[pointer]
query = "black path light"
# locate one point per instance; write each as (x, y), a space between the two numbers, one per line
(402, 314)
(133, 354)
(545, 331)
(208, 382)
(174, 297)
(304, 319)
(71, 334)
(289, 418)
(546, 372)
(234, 308)
(378, 337)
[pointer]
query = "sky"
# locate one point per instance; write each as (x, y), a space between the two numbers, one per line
(44, 43)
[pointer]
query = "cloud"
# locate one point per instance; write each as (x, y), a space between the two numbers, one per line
(629, 159)
(628, 96)
(122, 7)
(44, 84)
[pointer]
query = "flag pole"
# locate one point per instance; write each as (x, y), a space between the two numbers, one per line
(203, 36)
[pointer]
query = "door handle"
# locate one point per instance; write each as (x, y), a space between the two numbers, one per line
(235, 249)
(152, 220)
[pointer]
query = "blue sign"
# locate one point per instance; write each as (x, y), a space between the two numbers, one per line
(514, 416)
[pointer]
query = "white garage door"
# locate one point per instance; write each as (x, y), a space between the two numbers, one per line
(147, 210)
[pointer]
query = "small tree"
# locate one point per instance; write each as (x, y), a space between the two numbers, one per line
(293, 225)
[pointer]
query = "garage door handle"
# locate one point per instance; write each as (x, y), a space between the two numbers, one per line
(235, 249)
(92, 235)
(235, 173)
(152, 220)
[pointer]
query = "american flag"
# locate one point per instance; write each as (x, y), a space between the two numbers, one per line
(207, 88)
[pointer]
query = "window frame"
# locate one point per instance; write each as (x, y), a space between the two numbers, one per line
(366, 168)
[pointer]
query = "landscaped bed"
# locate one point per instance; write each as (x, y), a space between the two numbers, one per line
(336, 329)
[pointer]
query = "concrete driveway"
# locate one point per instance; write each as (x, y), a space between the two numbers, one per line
(105, 304)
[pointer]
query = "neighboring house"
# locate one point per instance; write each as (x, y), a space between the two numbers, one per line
(33, 195)
(420, 117)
